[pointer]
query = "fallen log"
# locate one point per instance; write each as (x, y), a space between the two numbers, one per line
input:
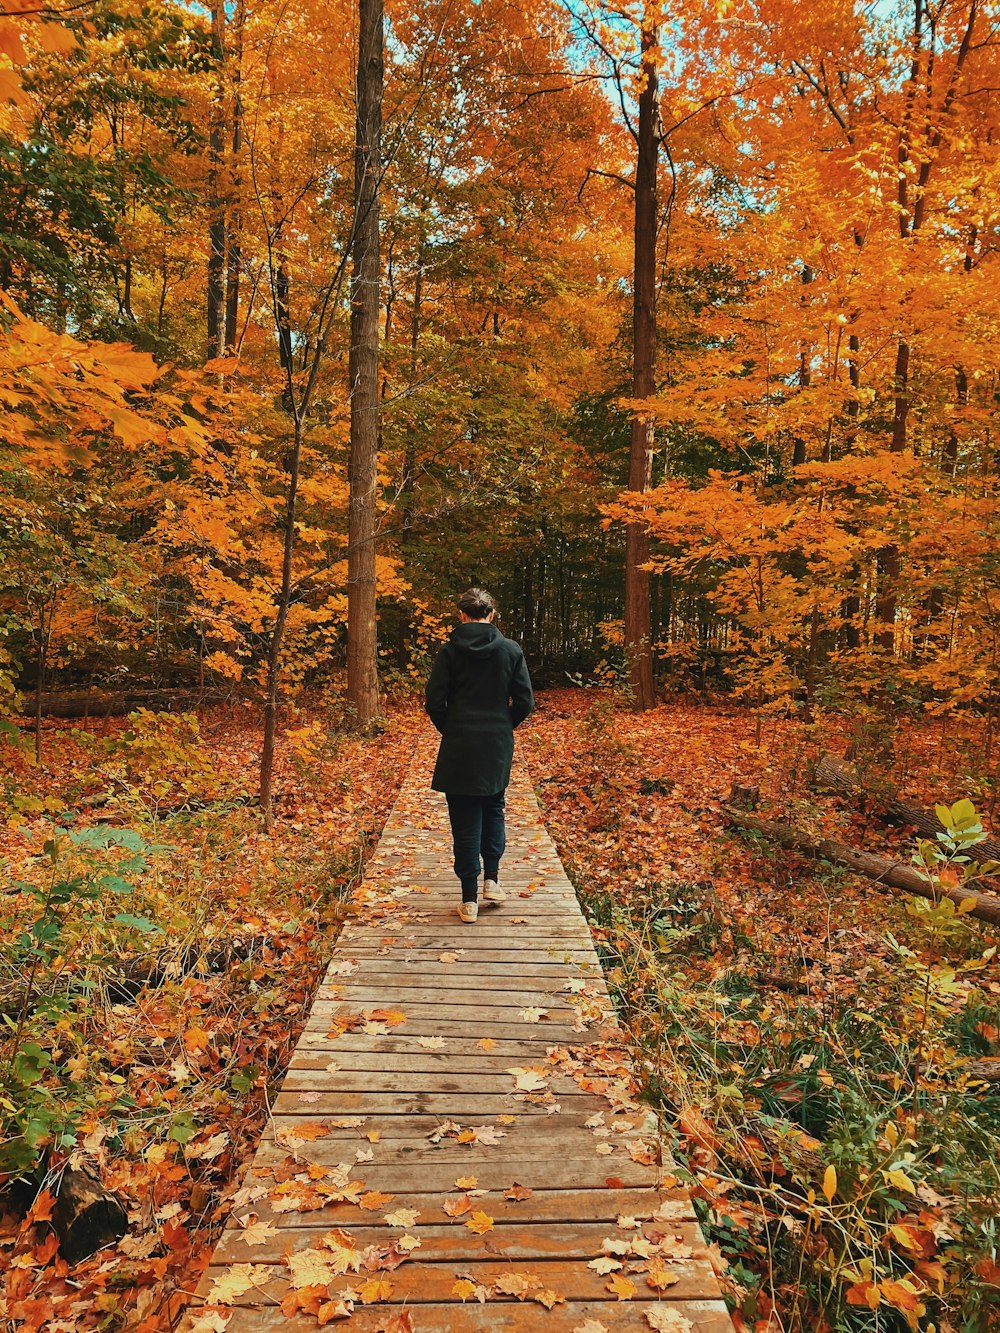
(86, 1217)
(881, 870)
(836, 775)
(986, 1070)
(117, 703)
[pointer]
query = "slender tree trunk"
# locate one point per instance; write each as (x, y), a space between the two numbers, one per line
(410, 445)
(638, 643)
(362, 670)
(805, 376)
(216, 202)
(44, 634)
(234, 254)
(278, 632)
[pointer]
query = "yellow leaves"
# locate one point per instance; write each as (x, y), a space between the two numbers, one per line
(480, 1223)
(373, 1200)
(237, 1281)
(456, 1207)
(901, 1180)
(402, 1217)
(659, 1276)
(533, 1014)
(830, 1183)
(466, 1183)
(664, 1319)
(376, 1289)
(527, 1079)
(309, 1130)
(621, 1287)
(465, 1289)
(486, 1043)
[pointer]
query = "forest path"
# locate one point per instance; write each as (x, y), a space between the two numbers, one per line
(499, 1040)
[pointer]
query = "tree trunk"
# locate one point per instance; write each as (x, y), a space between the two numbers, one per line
(278, 633)
(410, 446)
(362, 672)
(234, 255)
(216, 203)
(86, 1217)
(833, 774)
(638, 644)
(880, 869)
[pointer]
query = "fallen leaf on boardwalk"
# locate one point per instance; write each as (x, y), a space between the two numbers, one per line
(309, 1130)
(391, 1016)
(616, 1245)
(331, 1310)
(487, 1043)
(488, 1135)
(364, 1155)
(456, 1207)
(518, 1192)
(591, 1326)
(237, 1280)
(374, 1290)
(375, 1030)
(373, 1135)
(334, 1067)
(604, 1149)
(629, 1223)
(622, 1287)
(666, 1320)
(659, 1276)
(464, 1289)
(527, 1080)
(532, 1015)
(604, 1264)
(643, 1153)
(408, 1243)
(519, 920)
(210, 1321)
(516, 1284)
(448, 957)
(374, 1200)
(399, 1323)
(344, 1255)
(313, 1268)
(431, 1043)
(466, 1183)
(346, 1122)
(506, 1119)
(466, 1136)
(258, 1233)
(548, 1298)
(402, 1217)
(480, 1223)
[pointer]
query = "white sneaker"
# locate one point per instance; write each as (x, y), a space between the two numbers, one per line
(468, 912)
(493, 893)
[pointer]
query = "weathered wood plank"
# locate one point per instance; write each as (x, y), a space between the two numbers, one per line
(703, 1316)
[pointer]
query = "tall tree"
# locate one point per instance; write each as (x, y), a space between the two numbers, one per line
(362, 666)
(638, 643)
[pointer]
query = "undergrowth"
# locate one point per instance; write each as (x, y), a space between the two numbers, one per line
(808, 1048)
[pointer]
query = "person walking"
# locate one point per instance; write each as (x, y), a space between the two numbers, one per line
(477, 693)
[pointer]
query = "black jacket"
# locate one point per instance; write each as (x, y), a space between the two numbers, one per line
(477, 693)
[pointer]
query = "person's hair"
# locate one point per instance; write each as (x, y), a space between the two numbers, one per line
(476, 603)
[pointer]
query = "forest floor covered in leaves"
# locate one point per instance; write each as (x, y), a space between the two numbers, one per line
(804, 1035)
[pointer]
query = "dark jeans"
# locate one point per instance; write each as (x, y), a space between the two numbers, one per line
(477, 828)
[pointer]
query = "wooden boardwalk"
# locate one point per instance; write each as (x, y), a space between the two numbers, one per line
(455, 1146)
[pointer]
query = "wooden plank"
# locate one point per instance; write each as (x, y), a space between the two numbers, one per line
(703, 1316)
(442, 1242)
(417, 1281)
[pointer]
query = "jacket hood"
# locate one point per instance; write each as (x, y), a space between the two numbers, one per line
(478, 638)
